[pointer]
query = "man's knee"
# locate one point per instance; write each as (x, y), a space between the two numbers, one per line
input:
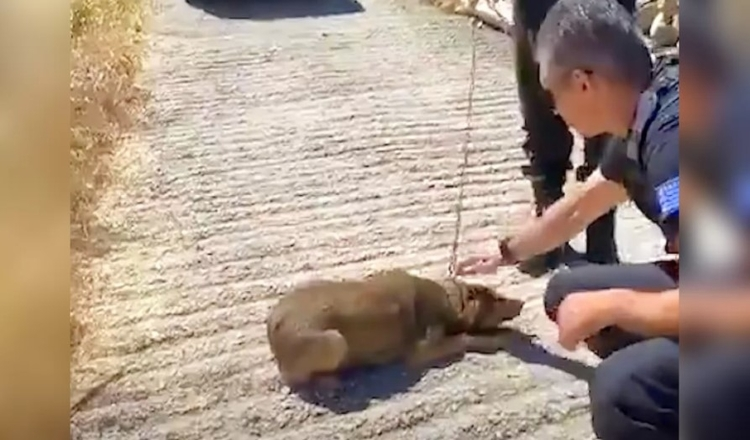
(634, 394)
(593, 277)
(578, 279)
(716, 394)
(560, 285)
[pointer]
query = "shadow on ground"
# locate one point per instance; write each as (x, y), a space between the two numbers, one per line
(522, 347)
(359, 387)
(275, 9)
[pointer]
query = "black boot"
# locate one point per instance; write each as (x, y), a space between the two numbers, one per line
(547, 190)
(600, 235)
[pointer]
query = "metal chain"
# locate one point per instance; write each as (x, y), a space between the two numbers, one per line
(465, 151)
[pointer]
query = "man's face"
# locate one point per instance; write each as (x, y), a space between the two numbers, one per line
(580, 98)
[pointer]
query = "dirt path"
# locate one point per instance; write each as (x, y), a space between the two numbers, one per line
(287, 149)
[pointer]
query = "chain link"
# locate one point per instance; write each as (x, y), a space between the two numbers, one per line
(452, 265)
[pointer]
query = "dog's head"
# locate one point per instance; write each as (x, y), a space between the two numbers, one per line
(483, 309)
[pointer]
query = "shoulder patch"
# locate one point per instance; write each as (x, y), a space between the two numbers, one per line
(668, 196)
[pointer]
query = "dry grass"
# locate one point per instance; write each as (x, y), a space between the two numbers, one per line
(106, 49)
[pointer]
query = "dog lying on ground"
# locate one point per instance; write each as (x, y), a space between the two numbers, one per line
(329, 326)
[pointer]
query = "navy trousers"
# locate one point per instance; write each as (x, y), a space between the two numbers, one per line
(635, 393)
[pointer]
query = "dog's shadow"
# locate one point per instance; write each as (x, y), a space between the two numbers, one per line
(359, 387)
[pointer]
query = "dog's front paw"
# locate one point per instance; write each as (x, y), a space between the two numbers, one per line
(487, 344)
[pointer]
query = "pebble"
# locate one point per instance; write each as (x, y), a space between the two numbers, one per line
(659, 20)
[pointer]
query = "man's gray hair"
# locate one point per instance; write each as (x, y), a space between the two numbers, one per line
(598, 36)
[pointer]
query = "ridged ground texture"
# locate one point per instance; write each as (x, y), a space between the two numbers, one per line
(286, 149)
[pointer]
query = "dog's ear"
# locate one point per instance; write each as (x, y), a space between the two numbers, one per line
(473, 300)
(482, 294)
(488, 309)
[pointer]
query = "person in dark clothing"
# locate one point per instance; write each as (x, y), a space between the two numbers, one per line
(549, 143)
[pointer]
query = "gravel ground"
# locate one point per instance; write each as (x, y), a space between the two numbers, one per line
(281, 150)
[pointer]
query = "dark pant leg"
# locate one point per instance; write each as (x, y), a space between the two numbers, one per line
(600, 235)
(635, 393)
(716, 393)
(628, 4)
(549, 142)
(646, 276)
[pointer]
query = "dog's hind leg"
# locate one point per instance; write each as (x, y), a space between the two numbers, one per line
(436, 348)
(315, 353)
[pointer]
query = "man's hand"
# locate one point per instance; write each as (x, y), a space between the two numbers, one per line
(480, 265)
(489, 263)
(582, 315)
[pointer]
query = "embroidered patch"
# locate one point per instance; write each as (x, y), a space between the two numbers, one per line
(668, 196)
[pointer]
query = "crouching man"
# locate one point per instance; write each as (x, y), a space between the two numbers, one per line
(599, 71)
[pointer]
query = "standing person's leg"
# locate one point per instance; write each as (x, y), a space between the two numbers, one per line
(628, 4)
(592, 277)
(600, 235)
(716, 393)
(635, 393)
(548, 141)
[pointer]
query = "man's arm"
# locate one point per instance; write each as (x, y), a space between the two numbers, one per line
(568, 216)
(723, 314)
(649, 314)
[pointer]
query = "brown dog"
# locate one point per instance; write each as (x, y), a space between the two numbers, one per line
(328, 326)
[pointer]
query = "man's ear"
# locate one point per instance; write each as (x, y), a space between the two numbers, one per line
(580, 80)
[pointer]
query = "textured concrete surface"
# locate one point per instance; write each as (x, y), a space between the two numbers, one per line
(279, 150)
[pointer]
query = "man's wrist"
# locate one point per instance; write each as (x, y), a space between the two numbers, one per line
(508, 255)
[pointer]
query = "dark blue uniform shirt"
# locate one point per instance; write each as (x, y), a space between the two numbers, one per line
(648, 165)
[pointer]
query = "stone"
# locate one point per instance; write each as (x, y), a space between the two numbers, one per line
(669, 8)
(646, 15)
(663, 34)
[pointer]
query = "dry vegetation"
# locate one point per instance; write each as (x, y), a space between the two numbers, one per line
(106, 37)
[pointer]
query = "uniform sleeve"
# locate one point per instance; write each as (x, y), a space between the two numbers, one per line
(662, 161)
